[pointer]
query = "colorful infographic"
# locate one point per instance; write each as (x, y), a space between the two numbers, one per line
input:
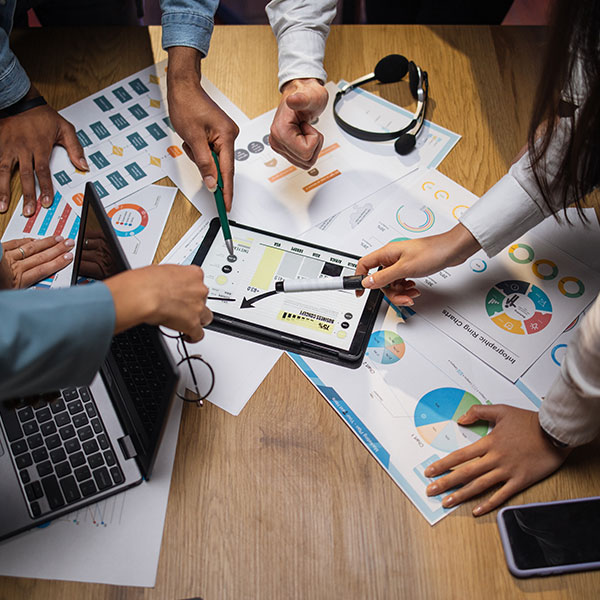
(413, 223)
(128, 219)
(385, 347)
(436, 418)
(518, 307)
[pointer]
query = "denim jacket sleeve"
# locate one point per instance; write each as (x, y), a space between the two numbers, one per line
(53, 338)
(14, 83)
(188, 23)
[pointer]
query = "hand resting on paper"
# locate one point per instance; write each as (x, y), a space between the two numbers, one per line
(414, 258)
(514, 455)
(27, 261)
(292, 133)
(27, 139)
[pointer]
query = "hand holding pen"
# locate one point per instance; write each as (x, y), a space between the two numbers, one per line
(221, 206)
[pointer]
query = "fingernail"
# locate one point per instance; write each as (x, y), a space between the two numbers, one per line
(210, 183)
(410, 302)
(46, 201)
(460, 419)
(370, 281)
(448, 501)
(429, 471)
(68, 256)
(28, 210)
(432, 489)
(69, 243)
(84, 163)
(477, 510)
(59, 238)
(3, 205)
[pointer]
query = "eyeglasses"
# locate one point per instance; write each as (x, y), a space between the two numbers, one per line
(198, 379)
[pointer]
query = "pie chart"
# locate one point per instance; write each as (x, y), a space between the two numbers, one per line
(385, 347)
(436, 415)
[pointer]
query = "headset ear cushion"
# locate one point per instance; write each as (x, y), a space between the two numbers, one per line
(413, 78)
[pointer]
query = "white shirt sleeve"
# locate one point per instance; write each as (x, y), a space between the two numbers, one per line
(301, 28)
(571, 411)
(515, 204)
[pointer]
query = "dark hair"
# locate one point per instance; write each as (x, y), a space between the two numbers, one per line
(571, 70)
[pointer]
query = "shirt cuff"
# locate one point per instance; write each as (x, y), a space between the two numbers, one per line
(193, 30)
(503, 214)
(14, 84)
(301, 56)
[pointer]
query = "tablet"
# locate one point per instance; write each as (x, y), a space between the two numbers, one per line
(331, 325)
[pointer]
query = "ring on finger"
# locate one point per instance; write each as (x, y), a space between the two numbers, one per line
(22, 252)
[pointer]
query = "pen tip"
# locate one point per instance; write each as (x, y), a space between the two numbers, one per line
(229, 244)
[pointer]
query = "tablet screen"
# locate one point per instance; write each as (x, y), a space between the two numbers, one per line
(261, 259)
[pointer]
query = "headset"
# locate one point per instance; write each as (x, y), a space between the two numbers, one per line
(389, 69)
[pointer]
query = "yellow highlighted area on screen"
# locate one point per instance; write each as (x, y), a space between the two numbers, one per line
(304, 321)
(263, 276)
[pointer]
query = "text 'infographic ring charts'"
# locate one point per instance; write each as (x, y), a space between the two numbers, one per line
(385, 347)
(408, 220)
(128, 219)
(518, 307)
(436, 416)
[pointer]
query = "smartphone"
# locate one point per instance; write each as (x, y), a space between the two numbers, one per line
(549, 538)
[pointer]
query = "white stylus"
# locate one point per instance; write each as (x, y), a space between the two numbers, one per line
(352, 282)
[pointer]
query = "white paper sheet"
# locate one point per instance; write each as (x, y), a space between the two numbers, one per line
(115, 541)
(403, 402)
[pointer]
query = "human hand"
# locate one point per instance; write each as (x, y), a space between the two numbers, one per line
(292, 135)
(27, 139)
(27, 261)
(515, 454)
(414, 258)
(199, 121)
(169, 295)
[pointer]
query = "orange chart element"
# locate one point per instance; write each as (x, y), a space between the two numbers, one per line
(329, 149)
(281, 174)
(78, 199)
(174, 151)
(321, 181)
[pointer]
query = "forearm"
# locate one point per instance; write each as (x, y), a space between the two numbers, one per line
(458, 244)
(301, 29)
(571, 411)
(53, 339)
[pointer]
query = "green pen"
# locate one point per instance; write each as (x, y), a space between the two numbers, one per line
(221, 207)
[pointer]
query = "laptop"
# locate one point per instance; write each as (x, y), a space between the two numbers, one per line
(62, 451)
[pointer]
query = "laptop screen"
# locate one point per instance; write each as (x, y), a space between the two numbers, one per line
(139, 370)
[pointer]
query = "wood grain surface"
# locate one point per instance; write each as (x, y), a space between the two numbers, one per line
(283, 502)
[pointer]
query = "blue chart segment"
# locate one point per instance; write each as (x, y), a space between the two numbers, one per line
(385, 347)
(436, 415)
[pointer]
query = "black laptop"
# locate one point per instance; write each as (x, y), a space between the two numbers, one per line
(65, 450)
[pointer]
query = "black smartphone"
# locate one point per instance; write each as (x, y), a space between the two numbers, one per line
(550, 538)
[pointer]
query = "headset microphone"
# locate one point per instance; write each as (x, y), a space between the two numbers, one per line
(390, 69)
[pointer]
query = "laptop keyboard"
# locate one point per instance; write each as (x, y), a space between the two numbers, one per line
(60, 448)
(144, 373)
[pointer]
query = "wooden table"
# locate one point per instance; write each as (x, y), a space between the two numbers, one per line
(283, 501)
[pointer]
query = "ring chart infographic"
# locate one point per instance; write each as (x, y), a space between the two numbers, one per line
(518, 307)
(385, 347)
(436, 416)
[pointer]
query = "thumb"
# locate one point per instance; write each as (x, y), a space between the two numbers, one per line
(301, 102)
(479, 412)
(67, 138)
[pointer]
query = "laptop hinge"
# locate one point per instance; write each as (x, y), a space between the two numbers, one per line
(127, 447)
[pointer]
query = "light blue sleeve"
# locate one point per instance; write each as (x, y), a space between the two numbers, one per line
(14, 83)
(188, 23)
(50, 339)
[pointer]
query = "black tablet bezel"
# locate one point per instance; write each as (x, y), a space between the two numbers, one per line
(351, 358)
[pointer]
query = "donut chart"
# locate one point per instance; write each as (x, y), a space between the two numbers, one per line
(128, 219)
(570, 293)
(544, 269)
(435, 418)
(521, 253)
(518, 307)
(407, 221)
(385, 347)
